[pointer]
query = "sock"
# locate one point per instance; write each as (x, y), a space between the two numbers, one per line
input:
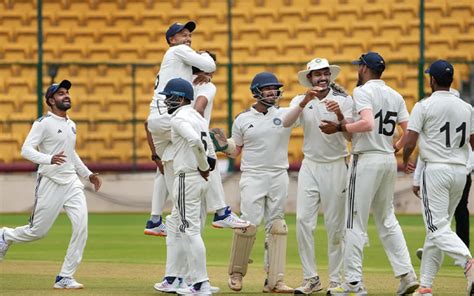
(354, 283)
(170, 279)
(221, 212)
(155, 218)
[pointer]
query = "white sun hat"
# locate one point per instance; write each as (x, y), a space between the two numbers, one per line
(317, 64)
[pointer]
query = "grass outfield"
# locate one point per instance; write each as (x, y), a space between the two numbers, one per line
(120, 260)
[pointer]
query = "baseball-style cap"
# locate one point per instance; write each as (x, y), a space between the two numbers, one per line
(317, 64)
(179, 87)
(372, 60)
(55, 87)
(178, 27)
(442, 71)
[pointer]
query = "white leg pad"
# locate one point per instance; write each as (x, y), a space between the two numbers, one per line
(277, 252)
(242, 244)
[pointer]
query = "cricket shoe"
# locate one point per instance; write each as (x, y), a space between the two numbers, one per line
(3, 244)
(229, 220)
(170, 285)
(332, 286)
(156, 229)
(280, 288)
(348, 289)
(311, 285)
(201, 289)
(423, 292)
(469, 273)
(67, 283)
(235, 281)
(408, 284)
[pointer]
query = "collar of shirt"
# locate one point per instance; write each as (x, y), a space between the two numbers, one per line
(375, 81)
(270, 110)
(57, 117)
(442, 93)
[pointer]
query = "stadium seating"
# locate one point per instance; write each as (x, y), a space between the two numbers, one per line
(96, 41)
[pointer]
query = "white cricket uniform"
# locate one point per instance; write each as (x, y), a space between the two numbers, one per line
(177, 63)
(322, 181)
(264, 163)
(372, 178)
(215, 198)
(57, 187)
(190, 138)
(160, 130)
(444, 123)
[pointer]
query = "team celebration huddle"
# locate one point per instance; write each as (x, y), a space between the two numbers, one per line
(346, 185)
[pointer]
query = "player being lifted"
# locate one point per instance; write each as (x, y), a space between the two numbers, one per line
(444, 124)
(322, 176)
(51, 144)
(258, 134)
(373, 172)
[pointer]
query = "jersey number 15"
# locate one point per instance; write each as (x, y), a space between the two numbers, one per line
(387, 125)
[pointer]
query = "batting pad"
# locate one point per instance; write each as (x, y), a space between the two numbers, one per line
(242, 244)
(277, 252)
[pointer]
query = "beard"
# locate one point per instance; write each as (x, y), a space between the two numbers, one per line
(63, 106)
(359, 80)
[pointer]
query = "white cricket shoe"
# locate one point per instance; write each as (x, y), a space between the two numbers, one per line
(423, 292)
(229, 220)
(67, 283)
(332, 286)
(469, 273)
(311, 285)
(349, 289)
(408, 284)
(203, 288)
(156, 229)
(3, 245)
(167, 287)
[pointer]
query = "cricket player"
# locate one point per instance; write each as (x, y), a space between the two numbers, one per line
(322, 176)
(204, 95)
(51, 144)
(258, 134)
(444, 125)
(377, 110)
(190, 142)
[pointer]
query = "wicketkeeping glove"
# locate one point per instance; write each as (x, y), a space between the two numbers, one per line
(218, 139)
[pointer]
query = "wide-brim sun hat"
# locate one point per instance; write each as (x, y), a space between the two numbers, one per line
(317, 64)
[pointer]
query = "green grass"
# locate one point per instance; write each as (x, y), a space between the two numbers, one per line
(120, 260)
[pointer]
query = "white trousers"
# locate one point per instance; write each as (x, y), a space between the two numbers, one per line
(163, 188)
(371, 184)
(321, 184)
(441, 190)
(184, 229)
(50, 199)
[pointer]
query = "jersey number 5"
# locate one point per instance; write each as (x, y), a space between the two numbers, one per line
(461, 128)
(389, 128)
(203, 139)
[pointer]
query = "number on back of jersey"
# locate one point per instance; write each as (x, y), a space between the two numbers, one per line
(388, 123)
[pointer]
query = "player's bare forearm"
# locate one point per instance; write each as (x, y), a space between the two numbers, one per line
(149, 140)
(410, 144)
(471, 141)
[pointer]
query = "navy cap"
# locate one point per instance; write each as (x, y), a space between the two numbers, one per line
(178, 27)
(55, 87)
(179, 87)
(442, 71)
(264, 79)
(372, 60)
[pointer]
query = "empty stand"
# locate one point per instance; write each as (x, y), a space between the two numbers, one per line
(265, 32)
